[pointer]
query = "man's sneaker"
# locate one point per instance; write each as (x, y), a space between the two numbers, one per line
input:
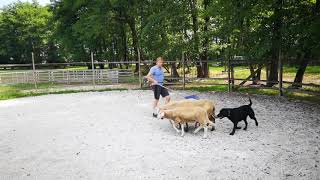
(154, 115)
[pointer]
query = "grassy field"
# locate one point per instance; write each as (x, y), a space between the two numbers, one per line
(312, 75)
(270, 92)
(25, 90)
(16, 91)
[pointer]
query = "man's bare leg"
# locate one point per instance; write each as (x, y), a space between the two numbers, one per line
(155, 107)
(155, 103)
(167, 98)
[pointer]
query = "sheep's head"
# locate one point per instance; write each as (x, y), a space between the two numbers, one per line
(213, 118)
(160, 114)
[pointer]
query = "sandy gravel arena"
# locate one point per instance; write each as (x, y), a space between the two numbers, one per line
(111, 135)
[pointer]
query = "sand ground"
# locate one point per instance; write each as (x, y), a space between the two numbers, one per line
(111, 135)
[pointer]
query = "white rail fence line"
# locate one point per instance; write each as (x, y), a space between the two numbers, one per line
(66, 76)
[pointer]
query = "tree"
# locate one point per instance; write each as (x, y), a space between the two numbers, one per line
(24, 29)
(307, 42)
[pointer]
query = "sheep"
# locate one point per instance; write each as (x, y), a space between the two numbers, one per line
(204, 103)
(187, 114)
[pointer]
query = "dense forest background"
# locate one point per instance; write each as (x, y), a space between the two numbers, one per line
(117, 30)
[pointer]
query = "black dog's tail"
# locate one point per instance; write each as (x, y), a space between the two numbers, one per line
(250, 101)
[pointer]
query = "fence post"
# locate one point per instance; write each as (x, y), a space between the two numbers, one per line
(229, 89)
(232, 77)
(280, 74)
(34, 71)
(93, 71)
(68, 82)
(184, 71)
(139, 69)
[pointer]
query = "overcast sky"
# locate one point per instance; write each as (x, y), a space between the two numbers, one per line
(6, 2)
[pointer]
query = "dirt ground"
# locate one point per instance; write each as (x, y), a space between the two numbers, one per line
(111, 135)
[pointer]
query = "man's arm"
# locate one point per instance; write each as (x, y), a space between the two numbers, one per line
(150, 78)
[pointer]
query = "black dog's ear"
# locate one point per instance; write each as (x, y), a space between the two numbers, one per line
(224, 112)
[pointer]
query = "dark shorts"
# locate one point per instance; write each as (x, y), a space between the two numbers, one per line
(158, 90)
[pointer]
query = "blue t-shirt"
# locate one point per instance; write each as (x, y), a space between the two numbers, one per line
(157, 74)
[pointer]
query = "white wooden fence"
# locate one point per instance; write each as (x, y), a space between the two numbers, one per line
(66, 76)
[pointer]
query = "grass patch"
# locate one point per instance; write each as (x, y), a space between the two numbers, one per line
(31, 86)
(9, 92)
(132, 80)
(218, 88)
(251, 90)
(19, 90)
(77, 68)
(309, 69)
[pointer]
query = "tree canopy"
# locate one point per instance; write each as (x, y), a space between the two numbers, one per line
(116, 30)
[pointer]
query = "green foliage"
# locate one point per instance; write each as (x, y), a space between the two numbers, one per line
(25, 28)
(204, 29)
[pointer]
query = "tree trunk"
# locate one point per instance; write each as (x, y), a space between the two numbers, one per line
(205, 57)
(305, 60)
(124, 44)
(101, 66)
(135, 41)
(174, 70)
(302, 68)
(195, 27)
(257, 76)
(199, 70)
(276, 44)
(251, 72)
(267, 69)
(273, 73)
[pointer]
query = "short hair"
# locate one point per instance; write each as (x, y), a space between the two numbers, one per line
(159, 59)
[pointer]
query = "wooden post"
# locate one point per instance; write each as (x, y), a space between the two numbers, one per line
(248, 78)
(68, 77)
(184, 71)
(280, 74)
(139, 69)
(229, 89)
(93, 71)
(232, 77)
(34, 71)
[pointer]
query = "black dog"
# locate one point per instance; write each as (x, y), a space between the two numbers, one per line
(238, 114)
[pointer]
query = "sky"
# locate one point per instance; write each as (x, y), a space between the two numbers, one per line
(6, 2)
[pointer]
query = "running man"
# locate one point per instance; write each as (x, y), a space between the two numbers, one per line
(156, 76)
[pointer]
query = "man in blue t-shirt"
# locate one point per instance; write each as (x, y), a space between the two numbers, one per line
(156, 76)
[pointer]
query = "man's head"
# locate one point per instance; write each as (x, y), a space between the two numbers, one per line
(159, 61)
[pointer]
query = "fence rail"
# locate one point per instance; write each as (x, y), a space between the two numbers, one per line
(185, 67)
(65, 76)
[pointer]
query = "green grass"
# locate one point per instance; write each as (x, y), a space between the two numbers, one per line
(17, 90)
(250, 90)
(32, 86)
(132, 80)
(218, 88)
(77, 68)
(309, 69)
(312, 75)
(21, 90)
